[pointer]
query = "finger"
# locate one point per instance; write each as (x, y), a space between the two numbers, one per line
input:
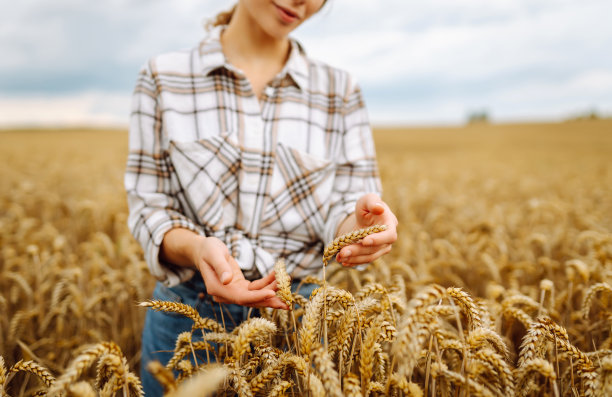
(219, 261)
(361, 259)
(370, 204)
(274, 303)
(388, 236)
(220, 300)
(375, 205)
(262, 282)
(245, 297)
(358, 250)
(272, 286)
(213, 284)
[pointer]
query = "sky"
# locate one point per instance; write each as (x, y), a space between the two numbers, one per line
(75, 62)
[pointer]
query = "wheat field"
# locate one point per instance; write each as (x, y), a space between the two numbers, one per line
(499, 284)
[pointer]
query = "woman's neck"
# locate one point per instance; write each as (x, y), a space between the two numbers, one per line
(244, 41)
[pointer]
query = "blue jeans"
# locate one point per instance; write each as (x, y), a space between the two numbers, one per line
(161, 329)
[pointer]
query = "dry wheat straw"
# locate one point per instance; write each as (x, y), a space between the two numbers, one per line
(54, 249)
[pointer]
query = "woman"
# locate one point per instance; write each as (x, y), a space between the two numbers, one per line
(244, 150)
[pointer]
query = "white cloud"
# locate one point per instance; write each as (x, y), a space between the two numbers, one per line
(87, 108)
(558, 38)
(422, 61)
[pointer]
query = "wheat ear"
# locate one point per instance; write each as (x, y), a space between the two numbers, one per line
(263, 378)
(2, 377)
(408, 388)
(36, 369)
(204, 383)
(185, 310)
(329, 375)
(474, 388)
(164, 376)
(240, 384)
(590, 294)
(280, 388)
(352, 385)
(81, 363)
(251, 330)
(468, 307)
(184, 350)
(348, 239)
(81, 389)
(367, 356)
(310, 322)
(283, 282)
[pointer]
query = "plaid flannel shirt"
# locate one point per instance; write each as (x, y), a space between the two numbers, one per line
(270, 178)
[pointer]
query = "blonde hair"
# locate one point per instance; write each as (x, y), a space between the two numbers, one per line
(222, 18)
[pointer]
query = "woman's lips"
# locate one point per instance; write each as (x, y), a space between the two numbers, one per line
(286, 15)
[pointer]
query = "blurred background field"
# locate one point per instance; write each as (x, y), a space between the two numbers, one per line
(494, 209)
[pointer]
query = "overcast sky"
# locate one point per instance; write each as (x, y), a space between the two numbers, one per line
(418, 62)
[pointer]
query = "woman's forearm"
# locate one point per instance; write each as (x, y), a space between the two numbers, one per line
(178, 247)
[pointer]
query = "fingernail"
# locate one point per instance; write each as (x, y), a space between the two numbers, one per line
(347, 253)
(225, 276)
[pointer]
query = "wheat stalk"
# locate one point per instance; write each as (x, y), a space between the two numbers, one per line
(80, 364)
(590, 294)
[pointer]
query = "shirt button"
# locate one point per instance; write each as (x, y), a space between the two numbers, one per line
(269, 91)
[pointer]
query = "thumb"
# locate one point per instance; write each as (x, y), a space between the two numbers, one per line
(372, 203)
(218, 259)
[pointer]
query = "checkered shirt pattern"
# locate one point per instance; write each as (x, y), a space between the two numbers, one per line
(271, 178)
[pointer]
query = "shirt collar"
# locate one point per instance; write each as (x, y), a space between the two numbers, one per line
(212, 58)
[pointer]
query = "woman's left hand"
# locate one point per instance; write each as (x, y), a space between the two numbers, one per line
(370, 210)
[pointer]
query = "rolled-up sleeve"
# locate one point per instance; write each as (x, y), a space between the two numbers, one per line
(357, 169)
(153, 206)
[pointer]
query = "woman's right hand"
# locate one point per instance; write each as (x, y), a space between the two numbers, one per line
(225, 281)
